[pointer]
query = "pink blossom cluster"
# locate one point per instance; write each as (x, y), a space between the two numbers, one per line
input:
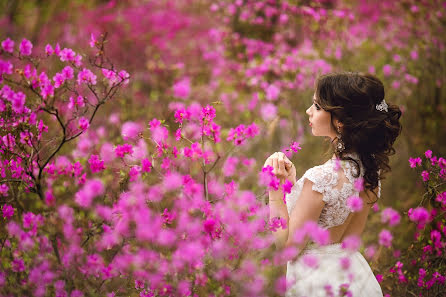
(96, 164)
(268, 178)
(390, 216)
(313, 231)
(239, 134)
(397, 269)
(420, 216)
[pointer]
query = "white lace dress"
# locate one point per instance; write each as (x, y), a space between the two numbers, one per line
(336, 183)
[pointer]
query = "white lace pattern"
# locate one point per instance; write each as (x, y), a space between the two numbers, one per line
(325, 181)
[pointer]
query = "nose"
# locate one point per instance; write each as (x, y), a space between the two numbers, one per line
(308, 110)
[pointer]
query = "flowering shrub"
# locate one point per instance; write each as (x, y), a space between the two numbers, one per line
(419, 269)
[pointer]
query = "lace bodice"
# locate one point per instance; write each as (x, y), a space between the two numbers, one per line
(335, 184)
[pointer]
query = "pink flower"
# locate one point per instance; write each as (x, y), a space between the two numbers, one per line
(76, 293)
(295, 147)
(172, 181)
(240, 133)
(134, 172)
(83, 123)
(396, 84)
(8, 211)
(310, 260)
(159, 134)
(410, 78)
(428, 154)
(8, 45)
(5, 67)
(230, 166)
(49, 198)
(68, 72)
(178, 134)
(49, 50)
(268, 111)
(277, 223)
(391, 216)
(47, 90)
(122, 150)
(287, 186)
(181, 89)
(67, 55)
(359, 184)
(17, 265)
(131, 130)
(272, 92)
(4, 190)
(208, 113)
(92, 40)
(425, 175)
(379, 278)
(59, 79)
(441, 198)
(96, 165)
(267, 178)
(351, 243)
(25, 47)
(18, 102)
(154, 123)
(124, 76)
(89, 191)
(320, 235)
(209, 225)
(385, 238)
(252, 131)
(337, 164)
(86, 76)
(354, 203)
(414, 162)
(345, 263)
(78, 61)
(181, 114)
(79, 101)
(419, 215)
(387, 70)
(146, 165)
(370, 251)
(194, 152)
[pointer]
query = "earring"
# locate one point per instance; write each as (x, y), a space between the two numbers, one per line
(340, 144)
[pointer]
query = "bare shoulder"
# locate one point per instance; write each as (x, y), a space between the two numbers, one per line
(369, 196)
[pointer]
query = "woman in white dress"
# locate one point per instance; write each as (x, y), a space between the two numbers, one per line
(350, 109)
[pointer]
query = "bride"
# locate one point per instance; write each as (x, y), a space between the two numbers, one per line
(350, 109)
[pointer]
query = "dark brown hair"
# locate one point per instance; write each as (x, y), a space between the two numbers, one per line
(351, 98)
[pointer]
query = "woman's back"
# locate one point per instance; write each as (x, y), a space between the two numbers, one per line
(337, 181)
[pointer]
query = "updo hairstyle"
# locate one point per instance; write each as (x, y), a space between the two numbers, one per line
(351, 98)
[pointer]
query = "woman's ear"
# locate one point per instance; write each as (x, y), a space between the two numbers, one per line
(337, 124)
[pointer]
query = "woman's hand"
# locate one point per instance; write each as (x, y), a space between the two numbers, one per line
(283, 168)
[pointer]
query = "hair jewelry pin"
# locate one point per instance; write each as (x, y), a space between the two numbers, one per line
(382, 106)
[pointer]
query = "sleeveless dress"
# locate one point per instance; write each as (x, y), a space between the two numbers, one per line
(335, 180)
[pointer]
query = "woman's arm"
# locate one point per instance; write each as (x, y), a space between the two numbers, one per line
(277, 208)
(308, 208)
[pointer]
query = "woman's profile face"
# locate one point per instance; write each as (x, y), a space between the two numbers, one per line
(320, 120)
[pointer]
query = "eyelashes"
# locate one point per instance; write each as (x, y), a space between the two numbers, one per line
(317, 106)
